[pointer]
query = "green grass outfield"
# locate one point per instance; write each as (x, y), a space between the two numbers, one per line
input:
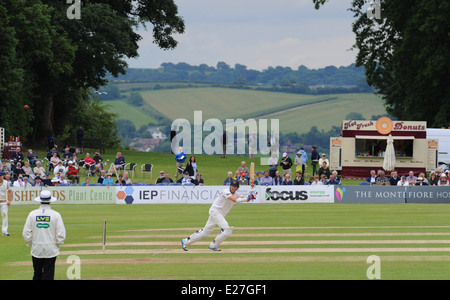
(270, 241)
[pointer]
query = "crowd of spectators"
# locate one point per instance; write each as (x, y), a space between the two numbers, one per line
(64, 168)
(436, 178)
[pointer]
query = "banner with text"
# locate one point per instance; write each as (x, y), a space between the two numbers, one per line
(66, 194)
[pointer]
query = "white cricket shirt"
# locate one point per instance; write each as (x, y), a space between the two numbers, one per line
(4, 188)
(44, 231)
(222, 204)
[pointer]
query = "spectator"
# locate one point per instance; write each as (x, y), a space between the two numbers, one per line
(54, 160)
(19, 181)
(411, 178)
(433, 178)
(67, 155)
(198, 179)
(126, 178)
(324, 159)
(108, 180)
(59, 169)
(394, 179)
(334, 179)
(443, 180)
(277, 180)
(258, 177)
(314, 160)
(403, 181)
(80, 139)
(89, 163)
(304, 157)
(425, 180)
(180, 158)
(86, 182)
(286, 164)
(186, 179)
(38, 181)
(299, 180)
(98, 162)
(62, 179)
(224, 144)
(229, 179)
(372, 178)
(382, 179)
(5, 168)
(26, 181)
(32, 157)
(18, 170)
(39, 170)
(102, 176)
(324, 170)
(191, 167)
(243, 179)
(28, 171)
(316, 180)
(166, 178)
(266, 179)
(323, 179)
(75, 159)
(273, 165)
(287, 180)
(243, 169)
(120, 180)
(236, 175)
(119, 162)
(17, 156)
(72, 173)
(420, 181)
(161, 176)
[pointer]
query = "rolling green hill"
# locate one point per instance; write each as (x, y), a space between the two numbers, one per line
(297, 113)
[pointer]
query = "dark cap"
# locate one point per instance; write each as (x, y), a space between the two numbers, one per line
(235, 183)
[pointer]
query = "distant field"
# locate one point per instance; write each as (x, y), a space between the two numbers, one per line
(128, 112)
(297, 113)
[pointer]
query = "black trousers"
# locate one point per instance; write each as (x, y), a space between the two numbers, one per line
(44, 268)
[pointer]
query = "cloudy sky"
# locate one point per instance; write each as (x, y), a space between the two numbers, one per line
(258, 34)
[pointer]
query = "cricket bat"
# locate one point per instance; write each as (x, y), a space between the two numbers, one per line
(252, 174)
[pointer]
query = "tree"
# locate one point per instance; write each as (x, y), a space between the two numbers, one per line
(59, 60)
(135, 99)
(406, 54)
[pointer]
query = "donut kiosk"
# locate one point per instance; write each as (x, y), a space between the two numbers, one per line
(361, 147)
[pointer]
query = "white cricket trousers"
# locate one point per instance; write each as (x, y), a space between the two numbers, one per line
(4, 210)
(215, 218)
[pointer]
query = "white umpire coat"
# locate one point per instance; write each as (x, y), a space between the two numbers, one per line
(44, 231)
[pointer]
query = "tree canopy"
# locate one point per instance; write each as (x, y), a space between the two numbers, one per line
(52, 63)
(406, 56)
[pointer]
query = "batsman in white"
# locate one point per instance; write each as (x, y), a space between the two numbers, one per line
(5, 201)
(219, 209)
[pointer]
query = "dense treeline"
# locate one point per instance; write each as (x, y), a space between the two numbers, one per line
(281, 79)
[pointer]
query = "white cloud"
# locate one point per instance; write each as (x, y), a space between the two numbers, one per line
(258, 34)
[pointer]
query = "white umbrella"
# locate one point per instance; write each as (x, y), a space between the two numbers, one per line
(389, 156)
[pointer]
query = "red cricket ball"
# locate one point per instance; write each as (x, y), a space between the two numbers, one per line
(25, 106)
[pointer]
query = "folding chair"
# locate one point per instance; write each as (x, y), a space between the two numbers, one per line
(130, 168)
(147, 168)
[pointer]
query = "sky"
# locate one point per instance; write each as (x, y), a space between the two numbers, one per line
(258, 34)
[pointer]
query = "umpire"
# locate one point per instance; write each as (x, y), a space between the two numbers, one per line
(44, 231)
